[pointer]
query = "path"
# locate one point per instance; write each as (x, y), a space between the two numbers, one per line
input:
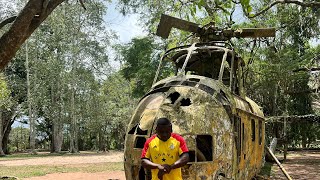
(299, 165)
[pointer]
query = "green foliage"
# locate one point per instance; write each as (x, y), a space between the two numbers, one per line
(4, 93)
(140, 59)
(19, 139)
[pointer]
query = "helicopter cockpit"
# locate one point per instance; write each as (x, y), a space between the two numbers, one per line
(204, 59)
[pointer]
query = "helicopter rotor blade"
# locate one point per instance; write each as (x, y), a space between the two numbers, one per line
(255, 32)
(168, 22)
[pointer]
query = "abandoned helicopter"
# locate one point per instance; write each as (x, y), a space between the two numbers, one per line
(206, 102)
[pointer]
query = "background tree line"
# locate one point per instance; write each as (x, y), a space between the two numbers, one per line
(62, 85)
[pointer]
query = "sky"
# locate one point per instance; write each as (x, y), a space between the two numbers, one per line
(126, 27)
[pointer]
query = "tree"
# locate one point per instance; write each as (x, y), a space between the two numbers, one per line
(30, 17)
(4, 105)
(139, 60)
(24, 24)
(61, 65)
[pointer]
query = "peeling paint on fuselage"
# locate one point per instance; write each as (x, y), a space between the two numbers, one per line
(199, 112)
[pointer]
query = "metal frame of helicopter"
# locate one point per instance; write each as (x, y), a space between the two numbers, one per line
(220, 124)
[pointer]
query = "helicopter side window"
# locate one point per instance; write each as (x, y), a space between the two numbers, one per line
(243, 141)
(260, 132)
(226, 74)
(253, 130)
(238, 136)
(133, 129)
(139, 142)
(204, 145)
(203, 151)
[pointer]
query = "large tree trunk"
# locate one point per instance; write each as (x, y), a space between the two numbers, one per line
(6, 119)
(30, 109)
(29, 19)
(5, 139)
(1, 137)
(73, 124)
(102, 141)
(57, 136)
(57, 123)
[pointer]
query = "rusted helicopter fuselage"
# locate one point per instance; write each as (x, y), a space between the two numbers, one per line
(205, 101)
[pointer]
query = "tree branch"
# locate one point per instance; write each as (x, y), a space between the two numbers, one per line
(306, 69)
(305, 91)
(209, 10)
(7, 21)
(292, 118)
(304, 4)
(30, 17)
(81, 2)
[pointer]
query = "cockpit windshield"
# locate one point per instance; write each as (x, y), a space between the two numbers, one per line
(204, 60)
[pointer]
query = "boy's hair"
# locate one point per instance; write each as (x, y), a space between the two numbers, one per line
(163, 122)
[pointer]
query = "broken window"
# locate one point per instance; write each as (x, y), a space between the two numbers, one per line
(189, 83)
(158, 86)
(185, 102)
(192, 156)
(132, 130)
(174, 96)
(206, 89)
(139, 142)
(237, 133)
(204, 145)
(172, 83)
(260, 132)
(194, 79)
(253, 130)
(242, 138)
(141, 132)
(226, 74)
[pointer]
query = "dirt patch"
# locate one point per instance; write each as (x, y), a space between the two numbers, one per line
(299, 165)
(64, 160)
(115, 175)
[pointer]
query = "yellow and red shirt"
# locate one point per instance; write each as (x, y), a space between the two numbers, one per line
(165, 152)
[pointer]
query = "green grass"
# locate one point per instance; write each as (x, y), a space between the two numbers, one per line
(41, 170)
(42, 154)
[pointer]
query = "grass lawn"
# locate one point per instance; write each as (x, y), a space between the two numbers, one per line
(30, 171)
(17, 156)
(25, 171)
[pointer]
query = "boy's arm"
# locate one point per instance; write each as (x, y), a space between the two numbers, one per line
(183, 160)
